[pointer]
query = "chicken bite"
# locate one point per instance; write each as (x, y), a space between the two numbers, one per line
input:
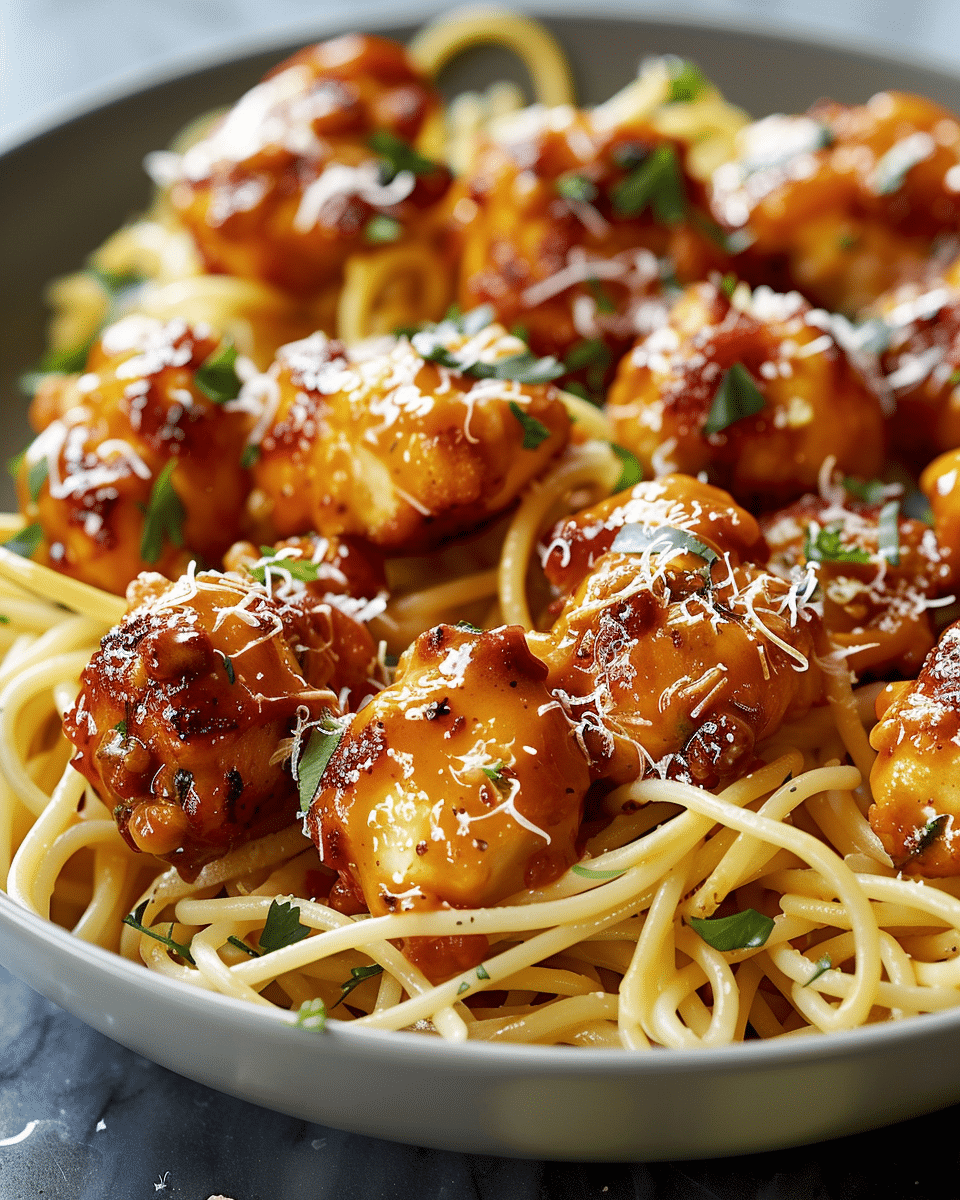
(572, 549)
(139, 460)
(842, 202)
(675, 662)
(753, 389)
(457, 785)
(916, 777)
(187, 712)
(879, 571)
(314, 163)
(403, 441)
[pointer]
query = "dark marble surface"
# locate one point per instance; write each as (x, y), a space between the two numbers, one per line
(84, 1119)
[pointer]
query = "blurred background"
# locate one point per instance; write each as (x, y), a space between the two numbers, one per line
(66, 51)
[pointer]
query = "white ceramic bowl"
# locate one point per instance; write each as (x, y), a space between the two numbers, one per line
(61, 192)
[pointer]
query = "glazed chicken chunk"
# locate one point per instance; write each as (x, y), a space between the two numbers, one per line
(753, 389)
(562, 220)
(916, 776)
(842, 202)
(402, 442)
(879, 571)
(187, 712)
(457, 785)
(312, 164)
(138, 462)
(677, 661)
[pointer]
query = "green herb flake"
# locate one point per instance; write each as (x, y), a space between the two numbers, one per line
(469, 626)
(324, 740)
(482, 972)
(601, 296)
(396, 155)
(521, 332)
(869, 491)
(827, 546)
(121, 728)
(637, 539)
(657, 184)
(632, 472)
(534, 431)
(742, 931)
(304, 569)
(587, 353)
(924, 838)
(217, 377)
(737, 397)
(14, 464)
(235, 941)
(890, 173)
(954, 377)
(282, 927)
(135, 921)
(357, 976)
(228, 667)
(37, 477)
(115, 282)
(26, 542)
(728, 284)
(821, 967)
(381, 230)
(165, 515)
(312, 1016)
(577, 188)
(464, 987)
(250, 455)
(67, 361)
(596, 876)
(888, 532)
(686, 84)
(4, 620)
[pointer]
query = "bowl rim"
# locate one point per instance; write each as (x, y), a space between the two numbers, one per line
(756, 1054)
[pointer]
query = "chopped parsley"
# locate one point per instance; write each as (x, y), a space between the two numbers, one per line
(737, 397)
(869, 491)
(26, 541)
(741, 931)
(655, 183)
(577, 188)
(432, 344)
(165, 515)
(396, 155)
(67, 361)
(217, 377)
(686, 84)
(826, 546)
(228, 667)
(601, 296)
(250, 455)
(598, 876)
(632, 472)
(135, 921)
(637, 539)
(312, 1016)
(888, 532)
(592, 353)
(282, 927)
(14, 464)
(534, 431)
(37, 477)
(821, 967)
(930, 833)
(728, 284)
(381, 229)
(323, 741)
(304, 569)
(357, 976)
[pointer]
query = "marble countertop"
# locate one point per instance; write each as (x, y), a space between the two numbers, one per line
(81, 1117)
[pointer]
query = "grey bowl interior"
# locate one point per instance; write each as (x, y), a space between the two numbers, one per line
(61, 192)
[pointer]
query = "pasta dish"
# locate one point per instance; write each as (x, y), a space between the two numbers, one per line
(489, 568)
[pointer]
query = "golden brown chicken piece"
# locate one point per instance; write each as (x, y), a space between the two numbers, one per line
(312, 164)
(572, 549)
(916, 777)
(381, 442)
(561, 221)
(457, 785)
(878, 571)
(344, 572)
(921, 362)
(676, 662)
(136, 466)
(184, 710)
(843, 202)
(754, 390)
